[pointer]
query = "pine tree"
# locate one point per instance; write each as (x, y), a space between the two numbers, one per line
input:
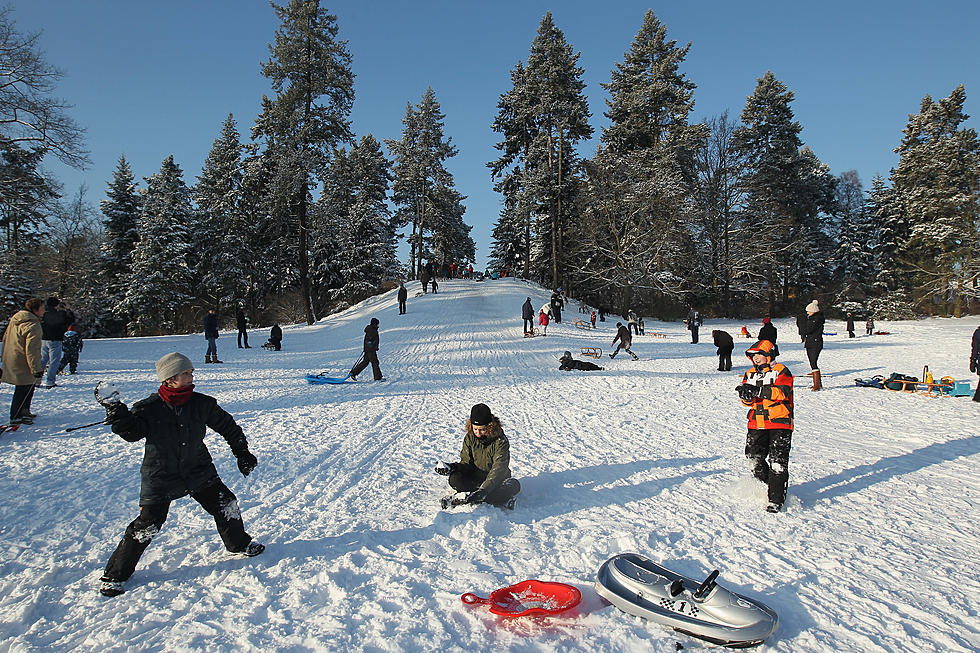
(28, 195)
(219, 237)
(852, 251)
(367, 251)
(936, 185)
(423, 187)
(311, 73)
(161, 285)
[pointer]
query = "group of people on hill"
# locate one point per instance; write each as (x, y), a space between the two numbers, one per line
(241, 322)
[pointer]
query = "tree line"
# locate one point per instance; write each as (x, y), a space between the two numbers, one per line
(736, 216)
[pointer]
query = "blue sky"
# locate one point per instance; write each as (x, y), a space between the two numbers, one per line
(150, 79)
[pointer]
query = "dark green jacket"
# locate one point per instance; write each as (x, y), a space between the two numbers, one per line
(176, 461)
(491, 456)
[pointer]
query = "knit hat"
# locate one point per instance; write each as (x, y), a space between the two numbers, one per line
(766, 320)
(812, 307)
(374, 321)
(172, 364)
(480, 415)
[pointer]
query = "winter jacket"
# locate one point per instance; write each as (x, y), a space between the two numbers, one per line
(22, 349)
(773, 409)
(240, 320)
(176, 462)
(631, 318)
(974, 352)
(72, 343)
(814, 328)
(210, 326)
(850, 323)
(55, 322)
(371, 337)
(568, 363)
(276, 334)
(768, 332)
(527, 311)
(694, 319)
(490, 454)
(402, 293)
(623, 335)
(723, 341)
(801, 324)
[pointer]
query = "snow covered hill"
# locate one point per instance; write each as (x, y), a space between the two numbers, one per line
(876, 550)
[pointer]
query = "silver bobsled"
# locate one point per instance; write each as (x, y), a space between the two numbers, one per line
(639, 586)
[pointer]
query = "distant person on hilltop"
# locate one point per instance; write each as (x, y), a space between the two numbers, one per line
(767, 390)
(402, 298)
(482, 474)
(242, 323)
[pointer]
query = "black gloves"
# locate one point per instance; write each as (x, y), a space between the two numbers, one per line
(445, 469)
(246, 462)
(476, 496)
(115, 412)
(748, 392)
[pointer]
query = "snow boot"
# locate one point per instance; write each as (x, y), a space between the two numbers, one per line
(207, 358)
(774, 507)
(816, 381)
(252, 549)
(214, 359)
(111, 587)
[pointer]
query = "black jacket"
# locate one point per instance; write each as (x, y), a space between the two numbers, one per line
(402, 293)
(723, 341)
(814, 328)
(210, 326)
(975, 351)
(276, 334)
(240, 320)
(768, 332)
(527, 311)
(54, 323)
(371, 337)
(623, 335)
(176, 462)
(801, 323)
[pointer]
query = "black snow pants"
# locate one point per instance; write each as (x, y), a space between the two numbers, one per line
(725, 360)
(467, 478)
(813, 350)
(217, 500)
(372, 358)
(773, 444)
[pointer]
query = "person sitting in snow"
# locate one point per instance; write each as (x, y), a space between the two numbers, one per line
(173, 420)
(483, 470)
(569, 363)
(767, 390)
(275, 338)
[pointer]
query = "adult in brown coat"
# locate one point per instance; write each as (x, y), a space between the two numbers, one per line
(22, 358)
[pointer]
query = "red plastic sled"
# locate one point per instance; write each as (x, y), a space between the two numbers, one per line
(529, 597)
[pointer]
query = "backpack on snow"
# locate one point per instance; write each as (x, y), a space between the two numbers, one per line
(892, 382)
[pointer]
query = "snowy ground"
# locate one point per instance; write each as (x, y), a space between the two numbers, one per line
(876, 550)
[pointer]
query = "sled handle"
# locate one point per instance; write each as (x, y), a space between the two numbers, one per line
(471, 599)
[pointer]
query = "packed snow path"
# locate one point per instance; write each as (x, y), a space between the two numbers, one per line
(876, 549)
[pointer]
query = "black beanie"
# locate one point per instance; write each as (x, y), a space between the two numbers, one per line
(480, 415)
(374, 321)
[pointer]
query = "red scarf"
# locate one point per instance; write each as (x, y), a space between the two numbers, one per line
(176, 396)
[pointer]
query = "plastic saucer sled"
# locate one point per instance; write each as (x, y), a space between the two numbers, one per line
(706, 610)
(528, 598)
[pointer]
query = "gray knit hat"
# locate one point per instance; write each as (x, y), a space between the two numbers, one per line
(172, 364)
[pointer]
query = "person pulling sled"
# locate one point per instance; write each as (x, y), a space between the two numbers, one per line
(173, 421)
(482, 474)
(371, 343)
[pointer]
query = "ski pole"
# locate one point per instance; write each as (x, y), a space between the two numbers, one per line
(75, 428)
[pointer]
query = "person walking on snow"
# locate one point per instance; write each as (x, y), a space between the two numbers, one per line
(483, 470)
(71, 347)
(22, 358)
(544, 316)
(813, 340)
(402, 298)
(173, 421)
(371, 342)
(850, 325)
(975, 360)
(527, 314)
(242, 323)
(869, 326)
(694, 323)
(625, 341)
(767, 391)
(54, 324)
(211, 335)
